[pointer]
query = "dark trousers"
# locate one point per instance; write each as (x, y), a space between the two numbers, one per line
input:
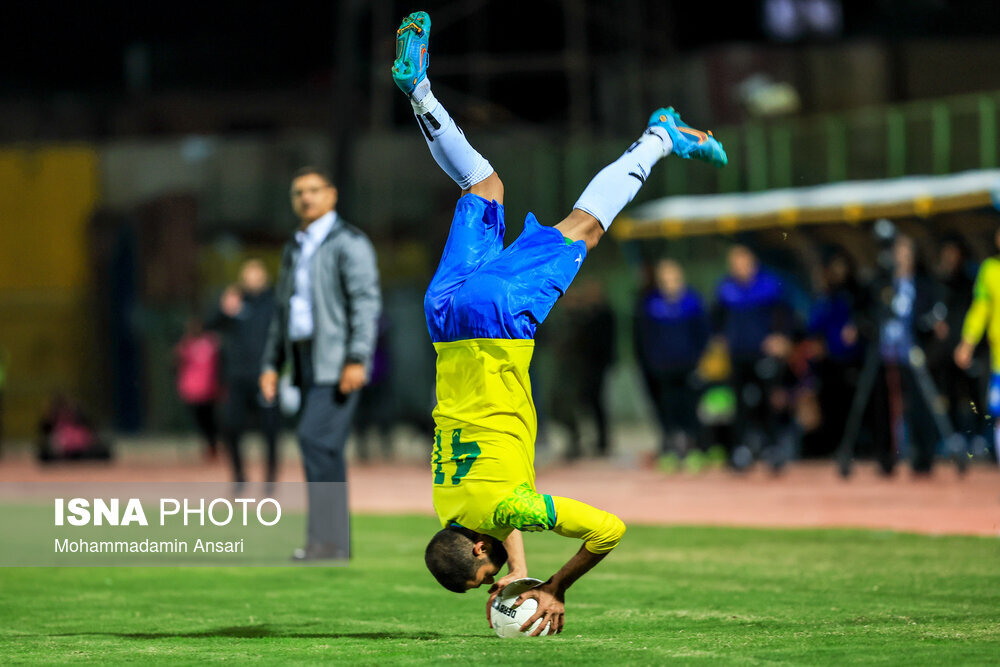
(751, 388)
(204, 419)
(324, 424)
(838, 382)
(897, 397)
(244, 403)
(585, 395)
(675, 401)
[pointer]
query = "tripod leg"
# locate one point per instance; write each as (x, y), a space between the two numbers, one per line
(869, 373)
(932, 399)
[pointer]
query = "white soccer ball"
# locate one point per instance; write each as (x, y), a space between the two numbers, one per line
(507, 620)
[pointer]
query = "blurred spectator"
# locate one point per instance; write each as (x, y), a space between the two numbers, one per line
(832, 324)
(983, 317)
(751, 315)
(197, 358)
(67, 433)
(243, 318)
(671, 332)
(584, 350)
(959, 389)
(375, 409)
(903, 311)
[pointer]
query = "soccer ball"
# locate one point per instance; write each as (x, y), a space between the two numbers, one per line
(505, 619)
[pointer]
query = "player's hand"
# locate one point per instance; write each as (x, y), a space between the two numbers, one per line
(551, 609)
(352, 378)
(963, 355)
(269, 385)
(497, 587)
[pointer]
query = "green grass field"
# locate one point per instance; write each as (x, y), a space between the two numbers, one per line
(688, 595)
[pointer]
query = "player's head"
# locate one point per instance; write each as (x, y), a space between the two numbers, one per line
(253, 276)
(313, 194)
(461, 559)
(742, 263)
(669, 277)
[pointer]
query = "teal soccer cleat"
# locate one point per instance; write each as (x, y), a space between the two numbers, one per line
(410, 66)
(689, 142)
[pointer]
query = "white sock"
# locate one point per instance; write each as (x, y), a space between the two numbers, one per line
(451, 150)
(617, 184)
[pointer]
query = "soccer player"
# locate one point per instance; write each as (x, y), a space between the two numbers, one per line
(984, 317)
(482, 308)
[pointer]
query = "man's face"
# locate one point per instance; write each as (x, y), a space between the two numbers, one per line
(492, 557)
(486, 574)
(742, 264)
(669, 278)
(312, 197)
(253, 277)
(951, 259)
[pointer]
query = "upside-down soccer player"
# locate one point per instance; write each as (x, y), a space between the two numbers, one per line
(482, 307)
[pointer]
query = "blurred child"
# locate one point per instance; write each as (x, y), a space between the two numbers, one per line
(197, 357)
(67, 433)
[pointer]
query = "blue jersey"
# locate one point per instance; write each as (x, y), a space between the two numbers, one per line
(749, 312)
(671, 334)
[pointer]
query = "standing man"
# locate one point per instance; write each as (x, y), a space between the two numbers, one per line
(244, 319)
(326, 313)
(752, 316)
(671, 332)
(904, 310)
(584, 351)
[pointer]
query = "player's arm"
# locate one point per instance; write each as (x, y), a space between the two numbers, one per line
(273, 356)
(600, 531)
(975, 320)
(551, 596)
(359, 274)
(517, 567)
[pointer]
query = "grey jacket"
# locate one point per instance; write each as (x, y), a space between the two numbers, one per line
(346, 304)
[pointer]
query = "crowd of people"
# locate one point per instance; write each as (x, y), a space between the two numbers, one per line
(868, 369)
(880, 369)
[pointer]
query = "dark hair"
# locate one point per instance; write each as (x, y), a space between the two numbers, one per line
(310, 171)
(450, 559)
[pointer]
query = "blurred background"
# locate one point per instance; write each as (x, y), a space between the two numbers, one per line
(145, 154)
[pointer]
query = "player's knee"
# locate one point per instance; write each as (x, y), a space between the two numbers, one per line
(581, 226)
(490, 188)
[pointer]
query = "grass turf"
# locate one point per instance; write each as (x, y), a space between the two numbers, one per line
(681, 594)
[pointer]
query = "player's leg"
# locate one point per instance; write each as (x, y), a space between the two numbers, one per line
(447, 143)
(477, 229)
(541, 263)
(618, 183)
